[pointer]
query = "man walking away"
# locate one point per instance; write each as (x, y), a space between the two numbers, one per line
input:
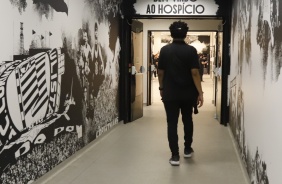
(180, 86)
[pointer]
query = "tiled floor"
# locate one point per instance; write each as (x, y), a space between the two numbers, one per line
(138, 153)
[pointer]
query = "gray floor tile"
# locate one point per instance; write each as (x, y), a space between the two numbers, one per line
(138, 153)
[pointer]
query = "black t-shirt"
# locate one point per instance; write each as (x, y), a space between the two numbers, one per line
(177, 59)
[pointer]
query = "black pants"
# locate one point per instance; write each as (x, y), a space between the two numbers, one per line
(173, 109)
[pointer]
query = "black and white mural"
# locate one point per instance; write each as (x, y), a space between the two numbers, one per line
(59, 73)
(255, 86)
(200, 42)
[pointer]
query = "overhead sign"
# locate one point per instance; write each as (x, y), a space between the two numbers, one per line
(176, 7)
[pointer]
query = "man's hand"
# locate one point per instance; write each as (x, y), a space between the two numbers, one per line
(161, 93)
(200, 101)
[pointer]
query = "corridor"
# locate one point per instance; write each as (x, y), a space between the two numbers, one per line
(138, 152)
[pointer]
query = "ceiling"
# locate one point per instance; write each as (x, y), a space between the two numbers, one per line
(167, 33)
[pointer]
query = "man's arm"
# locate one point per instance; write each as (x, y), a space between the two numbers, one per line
(161, 78)
(197, 81)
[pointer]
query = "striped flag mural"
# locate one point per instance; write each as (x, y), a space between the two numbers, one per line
(32, 84)
(41, 84)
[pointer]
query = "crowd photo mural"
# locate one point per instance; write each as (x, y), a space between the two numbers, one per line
(59, 73)
(255, 87)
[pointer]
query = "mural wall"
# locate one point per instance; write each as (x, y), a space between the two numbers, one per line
(59, 73)
(255, 87)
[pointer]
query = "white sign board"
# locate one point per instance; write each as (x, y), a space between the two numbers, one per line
(176, 7)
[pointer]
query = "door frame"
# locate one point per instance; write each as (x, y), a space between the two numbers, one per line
(225, 68)
(149, 66)
(136, 79)
(218, 79)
